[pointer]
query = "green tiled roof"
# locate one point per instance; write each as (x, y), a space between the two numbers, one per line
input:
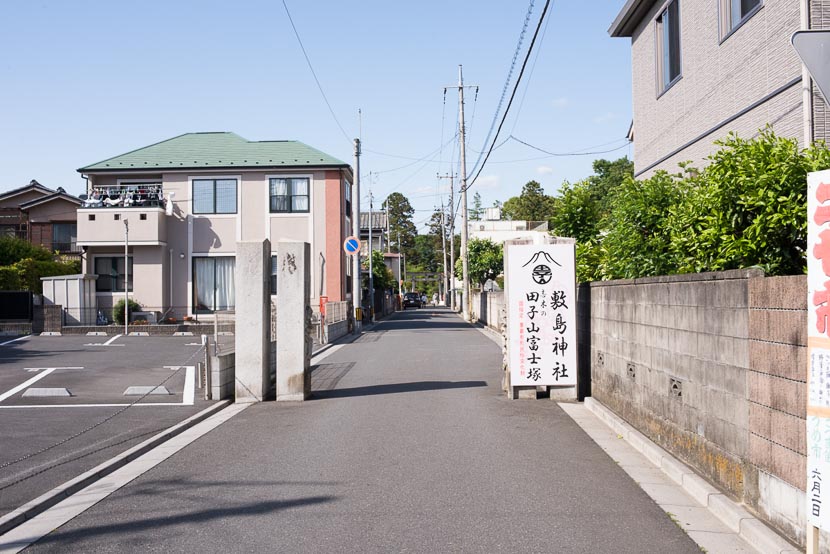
(227, 150)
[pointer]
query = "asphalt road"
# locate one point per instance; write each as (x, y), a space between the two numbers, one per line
(46, 441)
(408, 446)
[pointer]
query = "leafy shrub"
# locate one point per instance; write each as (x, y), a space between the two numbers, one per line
(9, 278)
(118, 310)
(31, 270)
(12, 250)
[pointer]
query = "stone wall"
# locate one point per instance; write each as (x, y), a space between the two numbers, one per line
(488, 308)
(47, 319)
(712, 368)
(222, 373)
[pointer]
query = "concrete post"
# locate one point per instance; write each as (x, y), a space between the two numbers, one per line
(293, 321)
(253, 310)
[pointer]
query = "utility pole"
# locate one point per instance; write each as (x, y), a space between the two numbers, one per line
(451, 273)
(371, 272)
(465, 307)
(126, 277)
(444, 250)
(356, 290)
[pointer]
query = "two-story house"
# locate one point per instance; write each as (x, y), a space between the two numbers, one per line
(185, 203)
(703, 68)
(42, 216)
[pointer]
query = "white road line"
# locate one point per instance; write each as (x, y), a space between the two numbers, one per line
(189, 394)
(28, 383)
(14, 340)
(112, 340)
(102, 344)
(42, 524)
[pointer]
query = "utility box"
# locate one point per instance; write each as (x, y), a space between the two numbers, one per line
(76, 293)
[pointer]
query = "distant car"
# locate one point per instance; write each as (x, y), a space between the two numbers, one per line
(411, 300)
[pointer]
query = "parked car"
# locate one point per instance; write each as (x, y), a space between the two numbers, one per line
(411, 299)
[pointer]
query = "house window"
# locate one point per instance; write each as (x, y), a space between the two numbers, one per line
(668, 46)
(273, 275)
(289, 195)
(64, 237)
(214, 196)
(110, 271)
(213, 284)
(733, 14)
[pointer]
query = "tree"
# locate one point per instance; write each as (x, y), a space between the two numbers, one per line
(485, 260)
(637, 242)
(577, 213)
(477, 211)
(382, 277)
(12, 250)
(607, 177)
(401, 227)
(531, 205)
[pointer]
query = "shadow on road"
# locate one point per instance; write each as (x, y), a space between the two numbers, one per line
(395, 388)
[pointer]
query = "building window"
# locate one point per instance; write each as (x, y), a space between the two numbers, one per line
(110, 271)
(668, 46)
(289, 195)
(64, 237)
(213, 284)
(214, 196)
(733, 14)
(273, 275)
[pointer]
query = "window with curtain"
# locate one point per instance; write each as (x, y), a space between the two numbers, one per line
(64, 237)
(289, 195)
(668, 46)
(214, 196)
(110, 271)
(213, 284)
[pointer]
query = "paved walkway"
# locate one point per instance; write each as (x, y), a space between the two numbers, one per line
(408, 446)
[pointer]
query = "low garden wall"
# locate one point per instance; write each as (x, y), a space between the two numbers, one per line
(712, 367)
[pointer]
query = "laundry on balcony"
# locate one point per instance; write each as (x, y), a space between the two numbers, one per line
(125, 196)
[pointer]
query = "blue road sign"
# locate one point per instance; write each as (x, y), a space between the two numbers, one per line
(351, 245)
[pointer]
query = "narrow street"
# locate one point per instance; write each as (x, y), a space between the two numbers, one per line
(409, 445)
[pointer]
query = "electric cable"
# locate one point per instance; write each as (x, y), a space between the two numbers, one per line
(316, 80)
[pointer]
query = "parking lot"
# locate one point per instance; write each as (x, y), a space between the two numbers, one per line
(68, 403)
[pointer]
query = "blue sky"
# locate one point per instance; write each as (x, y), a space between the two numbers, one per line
(84, 81)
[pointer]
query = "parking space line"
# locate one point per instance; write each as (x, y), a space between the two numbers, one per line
(26, 384)
(112, 340)
(14, 340)
(188, 394)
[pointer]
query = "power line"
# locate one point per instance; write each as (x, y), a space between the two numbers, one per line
(507, 80)
(575, 153)
(316, 80)
(513, 94)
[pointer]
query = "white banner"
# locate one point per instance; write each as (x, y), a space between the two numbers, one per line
(818, 349)
(541, 283)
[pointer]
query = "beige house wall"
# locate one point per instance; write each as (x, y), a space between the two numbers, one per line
(718, 80)
(168, 265)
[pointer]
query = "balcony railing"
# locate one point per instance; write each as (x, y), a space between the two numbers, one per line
(125, 196)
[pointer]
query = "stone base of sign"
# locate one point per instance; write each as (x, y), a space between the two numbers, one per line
(563, 394)
(523, 393)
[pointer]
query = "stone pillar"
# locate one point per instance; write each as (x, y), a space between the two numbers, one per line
(253, 330)
(293, 320)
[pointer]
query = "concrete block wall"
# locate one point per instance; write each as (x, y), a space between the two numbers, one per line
(712, 367)
(222, 373)
(47, 319)
(488, 308)
(777, 387)
(670, 354)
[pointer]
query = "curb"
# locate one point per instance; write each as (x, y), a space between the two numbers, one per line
(733, 515)
(49, 499)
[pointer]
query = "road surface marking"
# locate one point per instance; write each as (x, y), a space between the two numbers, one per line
(36, 369)
(27, 384)
(188, 395)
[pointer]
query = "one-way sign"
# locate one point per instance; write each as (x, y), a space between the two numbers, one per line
(813, 47)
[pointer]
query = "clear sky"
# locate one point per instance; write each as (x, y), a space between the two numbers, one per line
(86, 80)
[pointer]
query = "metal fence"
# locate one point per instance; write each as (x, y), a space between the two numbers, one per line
(337, 311)
(104, 314)
(15, 305)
